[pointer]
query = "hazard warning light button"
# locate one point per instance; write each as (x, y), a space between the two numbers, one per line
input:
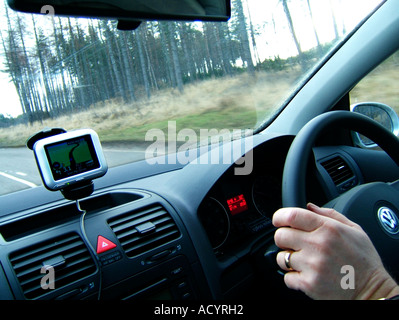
(103, 244)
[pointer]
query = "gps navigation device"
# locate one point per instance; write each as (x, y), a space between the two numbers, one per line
(70, 158)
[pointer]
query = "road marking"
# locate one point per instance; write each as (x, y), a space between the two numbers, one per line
(6, 175)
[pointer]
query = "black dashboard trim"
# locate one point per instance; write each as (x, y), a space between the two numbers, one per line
(180, 189)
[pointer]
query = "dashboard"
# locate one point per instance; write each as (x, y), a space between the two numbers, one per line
(171, 231)
(240, 207)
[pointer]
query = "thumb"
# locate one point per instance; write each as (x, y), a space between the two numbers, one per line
(330, 213)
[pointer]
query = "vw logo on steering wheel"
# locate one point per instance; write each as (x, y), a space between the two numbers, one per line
(388, 220)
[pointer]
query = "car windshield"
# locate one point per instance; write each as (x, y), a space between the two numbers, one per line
(170, 81)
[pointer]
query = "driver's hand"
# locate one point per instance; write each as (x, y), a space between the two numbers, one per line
(323, 243)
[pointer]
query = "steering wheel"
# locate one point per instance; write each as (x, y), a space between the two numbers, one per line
(374, 206)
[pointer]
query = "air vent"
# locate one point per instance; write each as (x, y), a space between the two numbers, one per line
(67, 254)
(338, 170)
(143, 230)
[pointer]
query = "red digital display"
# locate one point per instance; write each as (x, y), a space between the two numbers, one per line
(237, 204)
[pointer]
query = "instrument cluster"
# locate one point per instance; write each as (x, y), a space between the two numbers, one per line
(239, 208)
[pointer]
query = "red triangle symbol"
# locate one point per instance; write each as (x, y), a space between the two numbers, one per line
(103, 244)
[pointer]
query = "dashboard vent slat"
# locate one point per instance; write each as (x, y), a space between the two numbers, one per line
(145, 229)
(338, 170)
(75, 263)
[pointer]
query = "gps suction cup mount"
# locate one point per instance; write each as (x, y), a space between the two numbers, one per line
(45, 133)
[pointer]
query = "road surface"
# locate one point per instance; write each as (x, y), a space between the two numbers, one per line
(18, 168)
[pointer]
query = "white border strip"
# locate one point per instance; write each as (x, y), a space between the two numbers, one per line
(30, 184)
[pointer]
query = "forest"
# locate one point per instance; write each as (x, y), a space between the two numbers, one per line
(68, 65)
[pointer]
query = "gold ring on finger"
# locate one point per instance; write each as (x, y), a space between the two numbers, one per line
(287, 261)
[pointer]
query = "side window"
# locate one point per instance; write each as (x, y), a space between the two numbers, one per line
(381, 85)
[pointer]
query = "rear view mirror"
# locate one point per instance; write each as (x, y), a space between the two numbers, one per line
(136, 10)
(379, 112)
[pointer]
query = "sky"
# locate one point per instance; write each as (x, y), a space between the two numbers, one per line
(275, 40)
(348, 14)
(9, 101)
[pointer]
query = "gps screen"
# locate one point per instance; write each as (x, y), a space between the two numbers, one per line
(71, 157)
